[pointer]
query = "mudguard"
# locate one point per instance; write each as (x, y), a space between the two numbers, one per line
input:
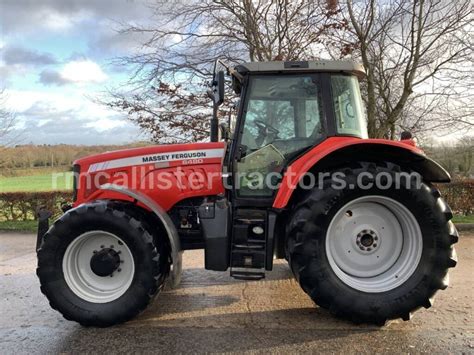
(176, 252)
(336, 151)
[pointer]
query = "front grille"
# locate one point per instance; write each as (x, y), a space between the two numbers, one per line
(76, 170)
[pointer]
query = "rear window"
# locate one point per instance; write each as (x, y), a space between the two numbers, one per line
(348, 106)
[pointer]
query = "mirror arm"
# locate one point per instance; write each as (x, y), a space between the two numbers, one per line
(230, 70)
(210, 94)
(214, 124)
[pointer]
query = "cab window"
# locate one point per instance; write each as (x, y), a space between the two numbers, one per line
(282, 118)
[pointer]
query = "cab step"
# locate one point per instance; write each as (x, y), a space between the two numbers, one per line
(247, 275)
(248, 245)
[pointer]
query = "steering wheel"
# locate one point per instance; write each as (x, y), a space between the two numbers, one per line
(266, 126)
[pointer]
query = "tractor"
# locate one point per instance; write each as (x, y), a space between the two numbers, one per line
(290, 175)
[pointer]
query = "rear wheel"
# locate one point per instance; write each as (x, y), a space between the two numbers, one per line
(99, 266)
(370, 255)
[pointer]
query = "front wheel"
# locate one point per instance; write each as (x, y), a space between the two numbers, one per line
(371, 254)
(100, 266)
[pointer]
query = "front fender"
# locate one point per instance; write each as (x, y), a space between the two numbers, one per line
(337, 151)
(176, 252)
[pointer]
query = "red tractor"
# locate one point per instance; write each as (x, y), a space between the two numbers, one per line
(365, 232)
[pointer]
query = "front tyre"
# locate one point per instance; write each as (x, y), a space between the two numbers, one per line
(371, 254)
(99, 266)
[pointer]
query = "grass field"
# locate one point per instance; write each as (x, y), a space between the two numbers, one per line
(464, 219)
(18, 226)
(44, 182)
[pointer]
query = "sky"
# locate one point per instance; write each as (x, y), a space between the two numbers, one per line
(56, 56)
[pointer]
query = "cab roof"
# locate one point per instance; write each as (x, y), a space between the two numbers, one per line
(345, 66)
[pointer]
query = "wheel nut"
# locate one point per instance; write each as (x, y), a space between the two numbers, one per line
(95, 251)
(119, 270)
(375, 245)
(111, 247)
(102, 246)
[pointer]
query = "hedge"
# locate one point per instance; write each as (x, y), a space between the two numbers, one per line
(16, 206)
(459, 195)
(22, 206)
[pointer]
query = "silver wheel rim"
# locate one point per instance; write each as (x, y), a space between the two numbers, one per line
(374, 244)
(83, 281)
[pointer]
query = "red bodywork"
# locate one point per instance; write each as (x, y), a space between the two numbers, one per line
(169, 173)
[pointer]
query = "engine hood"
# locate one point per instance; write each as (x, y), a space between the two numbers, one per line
(160, 156)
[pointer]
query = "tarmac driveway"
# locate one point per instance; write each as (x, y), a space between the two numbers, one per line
(211, 312)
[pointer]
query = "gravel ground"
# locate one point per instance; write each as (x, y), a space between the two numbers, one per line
(211, 312)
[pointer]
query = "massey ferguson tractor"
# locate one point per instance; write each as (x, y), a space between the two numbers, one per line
(293, 175)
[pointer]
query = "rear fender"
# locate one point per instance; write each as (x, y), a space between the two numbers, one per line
(340, 151)
(172, 233)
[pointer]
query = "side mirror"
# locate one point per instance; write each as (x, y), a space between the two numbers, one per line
(218, 87)
(216, 93)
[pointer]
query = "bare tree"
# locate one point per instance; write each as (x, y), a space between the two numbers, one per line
(465, 152)
(168, 98)
(418, 58)
(7, 121)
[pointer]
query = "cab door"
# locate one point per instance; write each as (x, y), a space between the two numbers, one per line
(281, 117)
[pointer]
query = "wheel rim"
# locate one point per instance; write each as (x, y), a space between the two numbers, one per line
(374, 244)
(81, 271)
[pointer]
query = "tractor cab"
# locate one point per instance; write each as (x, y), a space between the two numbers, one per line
(285, 108)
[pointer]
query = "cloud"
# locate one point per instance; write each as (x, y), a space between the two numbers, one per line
(68, 130)
(17, 55)
(52, 77)
(69, 118)
(59, 15)
(83, 71)
(75, 72)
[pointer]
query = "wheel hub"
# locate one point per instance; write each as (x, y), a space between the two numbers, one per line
(105, 262)
(367, 240)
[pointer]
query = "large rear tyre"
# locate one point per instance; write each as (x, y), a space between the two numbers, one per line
(99, 266)
(370, 254)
